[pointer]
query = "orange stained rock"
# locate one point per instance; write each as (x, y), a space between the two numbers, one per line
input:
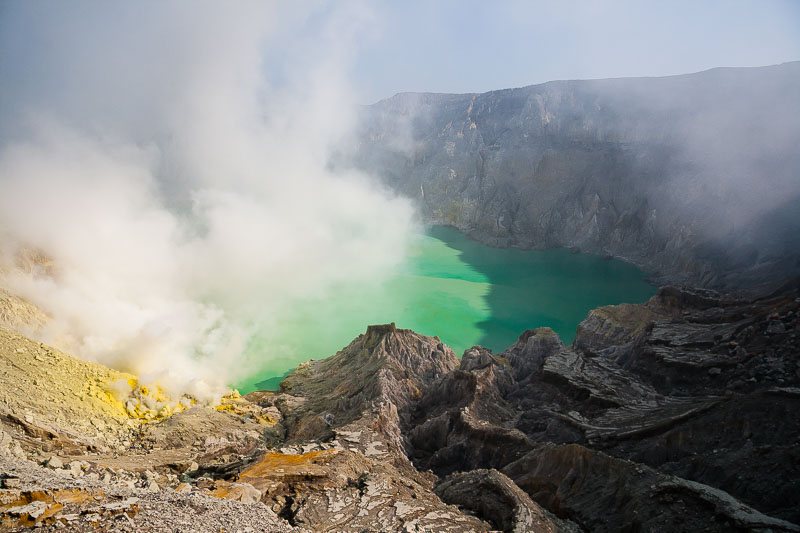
(55, 501)
(63, 496)
(285, 463)
(222, 489)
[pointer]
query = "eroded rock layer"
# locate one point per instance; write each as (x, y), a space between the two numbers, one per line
(674, 415)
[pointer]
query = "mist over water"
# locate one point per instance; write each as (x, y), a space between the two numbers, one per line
(180, 190)
(455, 288)
(170, 165)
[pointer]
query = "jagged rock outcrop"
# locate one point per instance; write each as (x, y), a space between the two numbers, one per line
(326, 454)
(595, 431)
(677, 414)
(384, 365)
(575, 481)
(492, 495)
(355, 405)
(693, 177)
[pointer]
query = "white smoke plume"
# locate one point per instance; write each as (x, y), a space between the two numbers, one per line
(171, 158)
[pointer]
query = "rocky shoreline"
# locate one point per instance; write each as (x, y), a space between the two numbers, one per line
(674, 415)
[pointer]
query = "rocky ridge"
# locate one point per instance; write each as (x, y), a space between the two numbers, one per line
(295, 460)
(673, 415)
(673, 408)
(692, 177)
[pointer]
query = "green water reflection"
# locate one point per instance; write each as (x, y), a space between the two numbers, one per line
(458, 289)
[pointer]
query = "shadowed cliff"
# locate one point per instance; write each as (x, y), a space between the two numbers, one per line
(694, 177)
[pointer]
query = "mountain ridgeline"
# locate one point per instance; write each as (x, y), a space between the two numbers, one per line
(696, 178)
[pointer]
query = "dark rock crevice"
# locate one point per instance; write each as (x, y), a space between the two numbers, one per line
(635, 396)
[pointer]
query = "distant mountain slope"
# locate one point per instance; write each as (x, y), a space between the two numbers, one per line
(695, 177)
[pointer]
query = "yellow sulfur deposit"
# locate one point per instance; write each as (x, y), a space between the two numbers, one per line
(61, 394)
(152, 403)
(234, 404)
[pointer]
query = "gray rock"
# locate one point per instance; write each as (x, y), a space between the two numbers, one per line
(622, 430)
(603, 166)
(55, 462)
(775, 327)
(577, 476)
(495, 498)
(634, 384)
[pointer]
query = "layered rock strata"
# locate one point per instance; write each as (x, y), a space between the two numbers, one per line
(673, 415)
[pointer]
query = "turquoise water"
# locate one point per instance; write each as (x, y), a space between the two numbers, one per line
(458, 289)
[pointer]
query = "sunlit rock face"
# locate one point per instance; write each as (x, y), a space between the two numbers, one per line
(677, 414)
(693, 177)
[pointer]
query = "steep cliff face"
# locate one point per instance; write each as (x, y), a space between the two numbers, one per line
(693, 177)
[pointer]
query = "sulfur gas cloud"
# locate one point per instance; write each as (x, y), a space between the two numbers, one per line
(170, 160)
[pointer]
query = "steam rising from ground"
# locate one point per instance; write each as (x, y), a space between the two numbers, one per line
(183, 195)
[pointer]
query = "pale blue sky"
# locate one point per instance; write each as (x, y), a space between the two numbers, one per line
(412, 45)
(479, 45)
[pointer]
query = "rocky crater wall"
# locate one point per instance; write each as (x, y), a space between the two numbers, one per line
(696, 178)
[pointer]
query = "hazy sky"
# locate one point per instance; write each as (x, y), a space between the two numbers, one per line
(161, 153)
(479, 45)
